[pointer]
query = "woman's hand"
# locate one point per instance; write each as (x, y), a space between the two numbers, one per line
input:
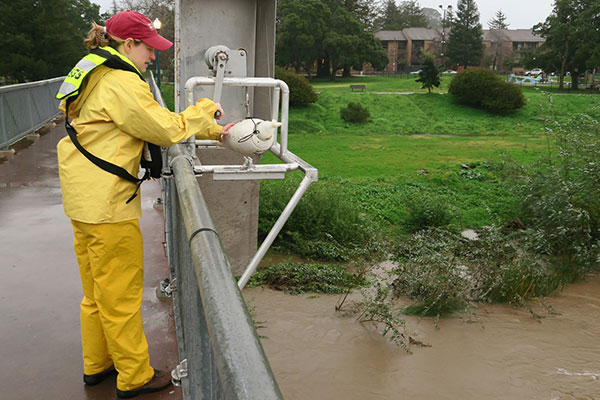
(219, 113)
(225, 130)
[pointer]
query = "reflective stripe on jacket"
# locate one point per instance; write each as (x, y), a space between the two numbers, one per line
(114, 114)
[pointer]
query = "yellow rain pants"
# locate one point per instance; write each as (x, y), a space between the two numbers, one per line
(111, 265)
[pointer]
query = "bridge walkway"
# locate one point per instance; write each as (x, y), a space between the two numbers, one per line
(40, 290)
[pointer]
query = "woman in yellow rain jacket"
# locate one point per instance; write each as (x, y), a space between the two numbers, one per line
(113, 115)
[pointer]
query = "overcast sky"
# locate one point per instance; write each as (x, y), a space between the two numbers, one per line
(520, 14)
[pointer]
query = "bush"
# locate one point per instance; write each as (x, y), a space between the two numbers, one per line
(479, 87)
(327, 224)
(427, 211)
(301, 92)
(428, 274)
(355, 113)
(306, 277)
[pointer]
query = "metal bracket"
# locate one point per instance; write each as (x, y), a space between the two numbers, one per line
(166, 288)
(180, 372)
(221, 60)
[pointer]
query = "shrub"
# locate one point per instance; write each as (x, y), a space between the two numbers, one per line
(327, 224)
(479, 87)
(301, 92)
(427, 211)
(306, 277)
(428, 274)
(355, 113)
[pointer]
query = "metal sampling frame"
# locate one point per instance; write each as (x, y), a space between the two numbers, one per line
(223, 61)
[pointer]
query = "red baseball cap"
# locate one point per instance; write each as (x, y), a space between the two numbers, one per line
(130, 24)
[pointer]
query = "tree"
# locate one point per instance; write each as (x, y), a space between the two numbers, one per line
(43, 39)
(408, 15)
(301, 30)
(496, 52)
(364, 11)
(347, 44)
(569, 37)
(499, 21)
(429, 75)
(465, 44)
(326, 31)
(434, 18)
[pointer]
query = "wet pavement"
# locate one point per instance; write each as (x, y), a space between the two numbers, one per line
(40, 290)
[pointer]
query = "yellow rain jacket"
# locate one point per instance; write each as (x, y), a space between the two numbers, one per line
(114, 115)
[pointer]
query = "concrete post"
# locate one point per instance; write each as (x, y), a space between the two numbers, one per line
(247, 24)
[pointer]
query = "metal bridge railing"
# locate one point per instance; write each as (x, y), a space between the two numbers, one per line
(221, 355)
(26, 107)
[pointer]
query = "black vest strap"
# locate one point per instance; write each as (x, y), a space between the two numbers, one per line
(113, 61)
(105, 165)
(153, 167)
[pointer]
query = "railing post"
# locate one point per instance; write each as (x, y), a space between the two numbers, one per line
(226, 361)
(3, 124)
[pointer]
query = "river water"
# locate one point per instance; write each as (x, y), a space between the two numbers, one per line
(317, 353)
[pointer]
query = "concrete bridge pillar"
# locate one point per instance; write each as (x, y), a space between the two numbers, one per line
(247, 24)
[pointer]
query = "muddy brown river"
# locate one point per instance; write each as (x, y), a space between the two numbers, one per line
(316, 353)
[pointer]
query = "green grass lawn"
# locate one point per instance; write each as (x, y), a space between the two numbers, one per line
(436, 113)
(351, 156)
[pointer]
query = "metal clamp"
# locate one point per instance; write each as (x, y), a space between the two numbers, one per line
(180, 372)
(166, 288)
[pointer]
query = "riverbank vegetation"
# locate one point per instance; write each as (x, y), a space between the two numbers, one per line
(405, 185)
(527, 191)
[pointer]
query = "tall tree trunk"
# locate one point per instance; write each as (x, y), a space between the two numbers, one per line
(574, 78)
(563, 63)
(332, 69)
(323, 69)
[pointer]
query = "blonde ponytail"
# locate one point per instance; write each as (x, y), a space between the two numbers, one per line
(96, 37)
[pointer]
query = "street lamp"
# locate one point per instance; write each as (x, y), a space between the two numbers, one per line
(157, 24)
(447, 10)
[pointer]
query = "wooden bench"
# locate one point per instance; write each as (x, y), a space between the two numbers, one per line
(357, 87)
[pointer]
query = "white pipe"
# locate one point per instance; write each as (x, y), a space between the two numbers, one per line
(249, 82)
(203, 169)
(287, 211)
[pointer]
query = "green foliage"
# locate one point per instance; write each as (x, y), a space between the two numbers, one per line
(479, 87)
(43, 39)
(465, 44)
(306, 277)
(556, 240)
(334, 34)
(428, 274)
(429, 75)
(407, 15)
(393, 114)
(505, 266)
(377, 308)
(560, 195)
(499, 21)
(425, 211)
(168, 94)
(327, 223)
(300, 32)
(443, 272)
(355, 113)
(301, 92)
(570, 35)
(348, 44)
